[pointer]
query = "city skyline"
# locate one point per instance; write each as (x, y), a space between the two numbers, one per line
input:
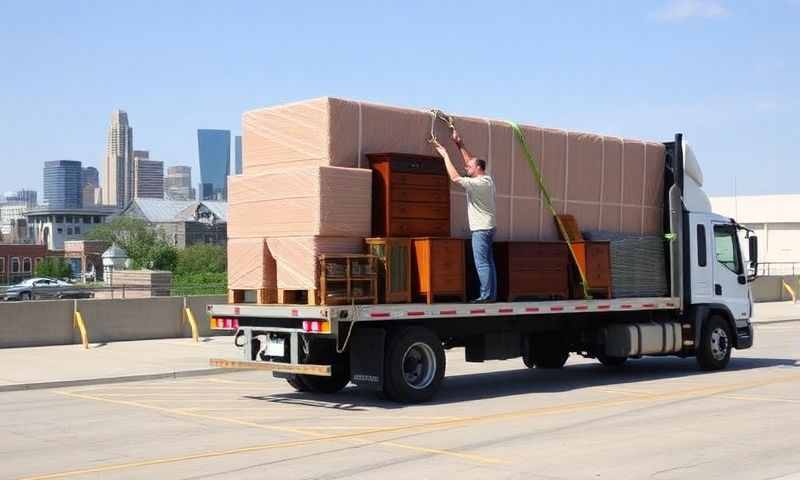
(585, 67)
(118, 133)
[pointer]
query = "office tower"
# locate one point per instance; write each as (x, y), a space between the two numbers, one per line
(214, 151)
(62, 184)
(118, 175)
(178, 183)
(28, 197)
(148, 176)
(237, 164)
(90, 176)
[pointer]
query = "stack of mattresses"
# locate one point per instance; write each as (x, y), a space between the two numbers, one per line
(637, 264)
(279, 221)
(607, 183)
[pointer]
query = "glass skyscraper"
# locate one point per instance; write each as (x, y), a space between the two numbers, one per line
(62, 184)
(214, 151)
(237, 163)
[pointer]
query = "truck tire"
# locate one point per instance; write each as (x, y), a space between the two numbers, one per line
(324, 352)
(549, 352)
(297, 383)
(611, 362)
(716, 342)
(414, 365)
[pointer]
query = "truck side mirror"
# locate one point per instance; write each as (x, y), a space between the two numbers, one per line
(752, 242)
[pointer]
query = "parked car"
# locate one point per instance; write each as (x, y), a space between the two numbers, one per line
(44, 288)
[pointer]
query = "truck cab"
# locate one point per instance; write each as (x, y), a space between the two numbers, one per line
(716, 278)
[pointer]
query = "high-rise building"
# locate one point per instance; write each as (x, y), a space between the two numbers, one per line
(214, 149)
(28, 197)
(92, 196)
(178, 183)
(62, 184)
(90, 176)
(237, 163)
(118, 175)
(148, 176)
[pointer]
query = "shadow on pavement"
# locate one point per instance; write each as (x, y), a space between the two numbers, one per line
(476, 386)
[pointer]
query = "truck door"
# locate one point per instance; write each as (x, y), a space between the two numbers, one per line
(730, 281)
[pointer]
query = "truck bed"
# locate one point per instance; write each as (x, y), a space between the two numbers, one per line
(226, 317)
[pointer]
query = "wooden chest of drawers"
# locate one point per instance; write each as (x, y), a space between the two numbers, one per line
(437, 269)
(530, 271)
(410, 195)
(595, 260)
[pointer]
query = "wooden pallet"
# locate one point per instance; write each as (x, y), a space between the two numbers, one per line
(263, 295)
(297, 297)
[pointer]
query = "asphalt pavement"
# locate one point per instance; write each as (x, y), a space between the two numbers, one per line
(660, 418)
(72, 365)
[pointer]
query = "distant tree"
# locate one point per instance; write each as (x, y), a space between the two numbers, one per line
(143, 243)
(201, 259)
(53, 267)
(161, 257)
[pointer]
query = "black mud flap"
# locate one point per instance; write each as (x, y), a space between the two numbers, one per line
(366, 357)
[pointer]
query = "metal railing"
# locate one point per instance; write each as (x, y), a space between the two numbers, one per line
(138, 291)
(778, 268)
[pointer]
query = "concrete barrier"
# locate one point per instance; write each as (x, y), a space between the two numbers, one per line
(36, 324)
(770, 288)
(197, 304)
(40, 323)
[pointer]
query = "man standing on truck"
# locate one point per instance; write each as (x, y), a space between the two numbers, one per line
(480, 213)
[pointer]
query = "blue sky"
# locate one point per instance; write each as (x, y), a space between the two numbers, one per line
(725, 73)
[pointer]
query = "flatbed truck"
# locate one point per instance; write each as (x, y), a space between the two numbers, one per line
(398, 349)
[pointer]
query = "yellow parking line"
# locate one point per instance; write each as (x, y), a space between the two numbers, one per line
(432, 426)
(764, 399)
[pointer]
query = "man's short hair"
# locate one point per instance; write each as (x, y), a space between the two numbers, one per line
(481, 163)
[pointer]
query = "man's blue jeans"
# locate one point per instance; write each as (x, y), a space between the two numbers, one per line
(484, 262)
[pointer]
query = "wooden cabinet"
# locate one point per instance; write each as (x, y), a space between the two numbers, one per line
(529, 271)
(594, 258)
(394, 268)
(410, 195)
(437, 269)
(347, 279)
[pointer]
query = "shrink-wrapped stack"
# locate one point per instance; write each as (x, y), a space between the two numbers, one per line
(607, 183)
(305, 177)
(281, 219)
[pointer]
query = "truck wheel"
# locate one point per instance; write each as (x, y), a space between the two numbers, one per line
(611, 362)
(716, 341)
(297, 383)
(549, 353)
(414, 365)
(324, 352)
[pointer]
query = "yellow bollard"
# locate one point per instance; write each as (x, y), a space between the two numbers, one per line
(791, 291)
(77, 322)
(190, 318)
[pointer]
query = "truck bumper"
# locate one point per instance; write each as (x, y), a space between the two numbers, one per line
(744, 337)
(302, 369)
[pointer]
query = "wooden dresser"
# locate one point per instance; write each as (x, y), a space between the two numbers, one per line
(594, 259)
(532, 270)
(437, 269)
(410, 195)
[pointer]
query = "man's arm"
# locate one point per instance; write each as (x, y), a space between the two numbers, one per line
(448, 164)
(461, 148)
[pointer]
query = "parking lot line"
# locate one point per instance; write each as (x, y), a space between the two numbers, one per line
(420, 428)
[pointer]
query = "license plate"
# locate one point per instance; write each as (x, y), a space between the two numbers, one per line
(275, 347)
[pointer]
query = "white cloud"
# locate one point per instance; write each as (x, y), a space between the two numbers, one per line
(678, 10)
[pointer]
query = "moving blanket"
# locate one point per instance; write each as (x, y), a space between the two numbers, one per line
(282, 262)
(607, 183)
(307, 201)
